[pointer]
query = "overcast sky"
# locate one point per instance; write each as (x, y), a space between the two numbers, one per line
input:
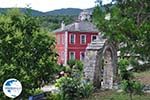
(48, 5)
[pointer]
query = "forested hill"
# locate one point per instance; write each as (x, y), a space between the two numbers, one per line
(66, 11)
(51, 20)
(33, 12)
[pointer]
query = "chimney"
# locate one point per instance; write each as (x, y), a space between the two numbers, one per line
(62, 25)
(77, 25)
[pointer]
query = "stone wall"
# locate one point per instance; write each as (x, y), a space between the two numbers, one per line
(95, 68)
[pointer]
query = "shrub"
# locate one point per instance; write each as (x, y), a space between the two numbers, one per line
(71, 63)
(68, 87)
(137, 87)
(36, 91)
(128, 84)
(86, 89)
(54, 96)
(79, 65)
(73, 88)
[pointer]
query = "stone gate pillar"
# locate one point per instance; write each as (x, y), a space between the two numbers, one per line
(94, 65)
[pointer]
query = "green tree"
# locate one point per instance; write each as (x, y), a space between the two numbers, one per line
(129, 85)
(26, 51)
(126, 23)
(51, 23)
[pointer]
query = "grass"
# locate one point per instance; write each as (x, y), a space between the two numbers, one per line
(113, 95)
(143, 77)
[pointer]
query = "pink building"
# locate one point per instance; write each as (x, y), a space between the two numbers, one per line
(73, 39)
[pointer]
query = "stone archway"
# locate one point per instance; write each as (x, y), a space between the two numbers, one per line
(107, 70)
(100, 65)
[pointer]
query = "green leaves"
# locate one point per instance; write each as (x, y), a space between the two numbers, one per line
(73, 89)
(26, 51)
(128, 84)
(129, 25)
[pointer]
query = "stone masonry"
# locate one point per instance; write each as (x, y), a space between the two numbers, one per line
(100, 64)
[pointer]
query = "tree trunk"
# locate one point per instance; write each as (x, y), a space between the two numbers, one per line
(130, 95)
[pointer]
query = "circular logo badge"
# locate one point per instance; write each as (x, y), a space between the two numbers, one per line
(12, 88)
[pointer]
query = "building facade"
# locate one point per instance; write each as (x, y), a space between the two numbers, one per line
(73, 39)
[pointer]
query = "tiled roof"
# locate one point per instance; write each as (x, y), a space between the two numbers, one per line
(80, 26)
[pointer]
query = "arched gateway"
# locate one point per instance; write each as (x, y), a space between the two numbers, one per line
(100, 64)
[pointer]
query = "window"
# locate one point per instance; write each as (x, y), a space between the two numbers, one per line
(72, 38)
(94, 37)
(82, 56)
(82, 39)
(71, 55)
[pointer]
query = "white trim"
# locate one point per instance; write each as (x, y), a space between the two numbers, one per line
(81, 38)
(73, 54)
(66, 47)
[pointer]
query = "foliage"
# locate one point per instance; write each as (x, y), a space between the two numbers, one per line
(54, 96)
(86, 89)
(124, 73)
(113, 95)
(128, 84)
(68, 87)
(53, 22)
(26, 51)
(79, 65)
(36, 91)
(132, 86)
(76, 64)
(71, 63)
(126, 23)
(73, 88)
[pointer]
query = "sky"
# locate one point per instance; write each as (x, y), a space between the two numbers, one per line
(49, 5)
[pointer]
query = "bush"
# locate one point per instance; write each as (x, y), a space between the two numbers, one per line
(79, 65)
(132, 86)
(36, 91)
(71, 63)
(128, 84)
(68, 87)
(137, 87)
(54, 96)
(73, 88)
(86, 89)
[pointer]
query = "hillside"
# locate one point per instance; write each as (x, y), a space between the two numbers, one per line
(66, 11)
(24, 10)
(51, 20)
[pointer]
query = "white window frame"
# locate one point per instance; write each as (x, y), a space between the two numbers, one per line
(93, 36)
(81, 55)
(70, 55)
(70, 38)
(81, 38)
